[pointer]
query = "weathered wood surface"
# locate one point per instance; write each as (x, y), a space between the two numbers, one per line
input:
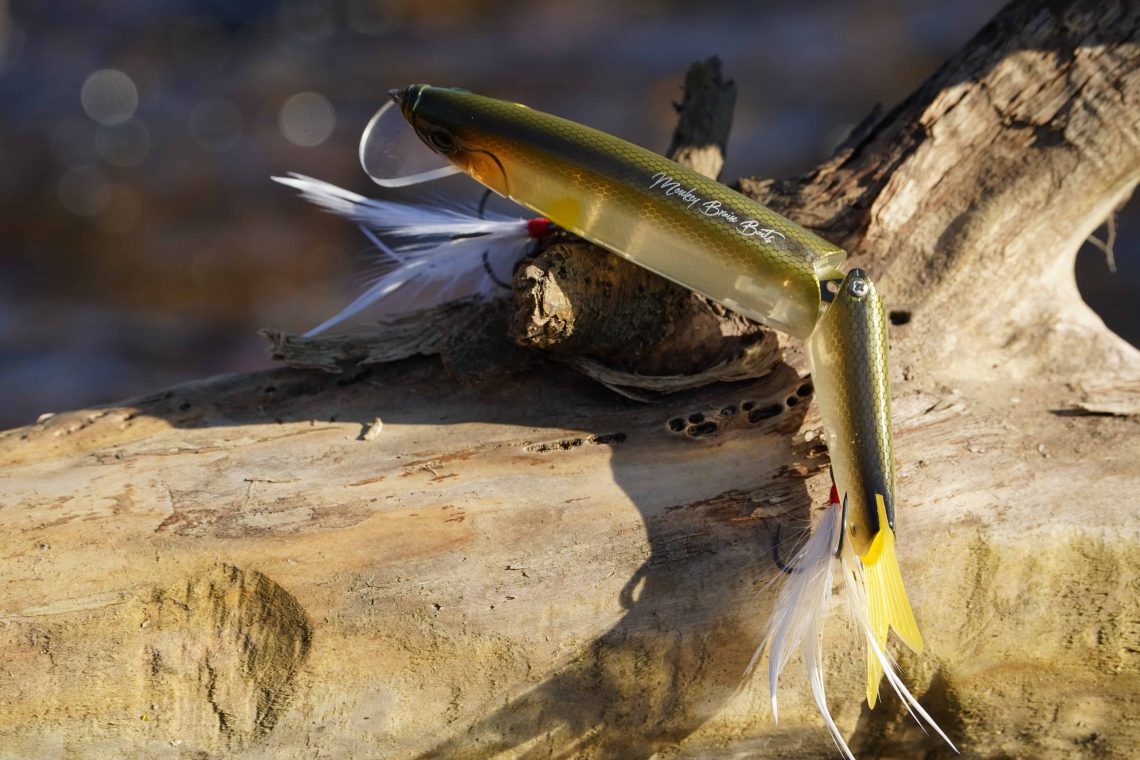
(525, 565)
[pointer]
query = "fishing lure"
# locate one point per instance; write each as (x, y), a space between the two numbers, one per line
(712, 240)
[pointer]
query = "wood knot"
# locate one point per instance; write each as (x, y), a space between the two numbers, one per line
(223, 653)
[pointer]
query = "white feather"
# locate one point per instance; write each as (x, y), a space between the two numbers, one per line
(796, 623)
(434, 253)
(797, 619)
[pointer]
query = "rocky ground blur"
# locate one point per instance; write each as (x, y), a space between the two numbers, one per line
(142, 243)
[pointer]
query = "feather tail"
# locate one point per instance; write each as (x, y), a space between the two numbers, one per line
(432, 253)
(876, 598)
(797, 619)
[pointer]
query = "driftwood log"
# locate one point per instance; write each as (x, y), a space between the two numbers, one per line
(493, 555)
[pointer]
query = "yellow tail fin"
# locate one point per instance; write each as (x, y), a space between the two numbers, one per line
(887, 605)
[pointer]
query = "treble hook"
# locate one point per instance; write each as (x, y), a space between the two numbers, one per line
(481, 210)
(785, 568)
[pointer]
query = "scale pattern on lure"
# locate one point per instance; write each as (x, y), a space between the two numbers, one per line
(712, 240)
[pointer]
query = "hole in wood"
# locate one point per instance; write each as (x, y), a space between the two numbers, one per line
(899, 317)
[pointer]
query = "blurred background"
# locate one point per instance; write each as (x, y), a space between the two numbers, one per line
(142, 243)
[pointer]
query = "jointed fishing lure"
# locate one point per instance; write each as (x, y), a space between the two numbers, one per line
(702, 235)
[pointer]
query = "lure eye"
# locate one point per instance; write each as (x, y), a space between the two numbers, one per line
(858, 288)
(441, 140)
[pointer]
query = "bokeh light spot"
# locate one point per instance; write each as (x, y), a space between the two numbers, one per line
(109, 96)
(307, 119)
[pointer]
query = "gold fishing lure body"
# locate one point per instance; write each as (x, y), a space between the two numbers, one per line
(848, 354)
(636, 203)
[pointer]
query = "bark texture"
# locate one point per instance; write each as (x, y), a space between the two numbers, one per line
(419, 558)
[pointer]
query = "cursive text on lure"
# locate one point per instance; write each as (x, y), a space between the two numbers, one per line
(671, 188)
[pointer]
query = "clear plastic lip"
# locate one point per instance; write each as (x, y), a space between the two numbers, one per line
(393, 155)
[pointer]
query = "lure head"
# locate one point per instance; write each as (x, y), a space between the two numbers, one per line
(458, 126)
